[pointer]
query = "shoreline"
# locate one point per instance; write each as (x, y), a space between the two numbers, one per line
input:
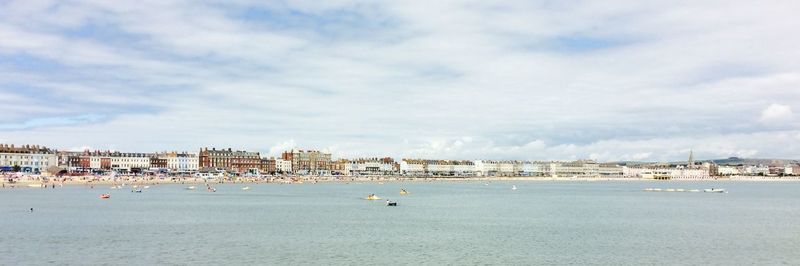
(105, 181)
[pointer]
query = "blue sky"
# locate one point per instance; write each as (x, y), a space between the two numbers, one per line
(529, 80)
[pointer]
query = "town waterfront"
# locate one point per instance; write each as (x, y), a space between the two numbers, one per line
(463, 223)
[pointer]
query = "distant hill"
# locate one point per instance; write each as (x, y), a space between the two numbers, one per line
(751, 161)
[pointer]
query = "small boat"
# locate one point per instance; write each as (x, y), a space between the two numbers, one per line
(372, 197)
(116, 187)
(211, 189)
(391, 203)
(694, 190)
(514, 187)
(105, 196)
(714, 190)
(246, 188)
(146, 187)
(190, 188)
(670, 190)
(403, 192)
(137, 190)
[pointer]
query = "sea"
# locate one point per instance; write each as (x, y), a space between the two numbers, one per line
(438, 223)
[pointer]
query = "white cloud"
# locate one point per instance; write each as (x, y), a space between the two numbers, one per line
(277, 149)
(521, 79)
(81, 148)
(776, 113)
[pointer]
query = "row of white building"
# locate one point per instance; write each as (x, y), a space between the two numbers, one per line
(574, 169)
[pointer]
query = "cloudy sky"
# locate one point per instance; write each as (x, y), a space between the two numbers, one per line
(607, 80)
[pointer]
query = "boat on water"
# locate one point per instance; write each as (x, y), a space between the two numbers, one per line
(246, 188)
(137, 190)
(372, 197)
(714, 190)
(116, 187)
(514, 187)
(190, 188)
(146, 187)
(694, 190)
(105, 196)
(391, 203)
(403, 192)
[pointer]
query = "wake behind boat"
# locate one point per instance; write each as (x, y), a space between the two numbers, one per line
(714, 190)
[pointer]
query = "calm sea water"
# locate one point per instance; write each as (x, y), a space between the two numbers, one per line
(439, 223)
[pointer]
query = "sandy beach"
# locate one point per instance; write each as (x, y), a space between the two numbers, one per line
(34, 181)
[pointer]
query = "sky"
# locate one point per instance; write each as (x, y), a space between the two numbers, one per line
(526, 80)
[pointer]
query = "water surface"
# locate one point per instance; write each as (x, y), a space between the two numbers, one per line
(438, 223)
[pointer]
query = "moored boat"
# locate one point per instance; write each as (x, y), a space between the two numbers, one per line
(105, 196)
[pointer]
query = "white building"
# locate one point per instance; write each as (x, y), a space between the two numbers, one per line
(727, 170)
(283, 166)
(27, 158)
(661, 172)
(486, 168)
(181, 162)
(413, 167)
(464, 168)
(367, 166)
(534, 169)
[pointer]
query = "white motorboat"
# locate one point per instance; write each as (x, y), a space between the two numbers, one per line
(714, 190)
(246, 188)
(514, 187)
